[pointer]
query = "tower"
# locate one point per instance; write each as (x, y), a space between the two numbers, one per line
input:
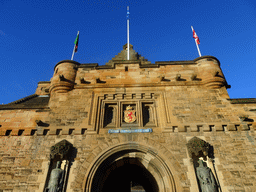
(130, 125)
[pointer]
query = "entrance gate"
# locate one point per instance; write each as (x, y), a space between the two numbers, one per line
(129, 167)
(129, 176)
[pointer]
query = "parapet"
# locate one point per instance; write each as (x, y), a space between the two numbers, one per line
(63, 79)
(211, 73)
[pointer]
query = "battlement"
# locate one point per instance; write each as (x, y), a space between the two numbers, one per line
(196, 128)
(204, 71)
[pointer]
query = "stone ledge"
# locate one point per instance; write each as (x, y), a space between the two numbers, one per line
(201, 127)
(242, 100)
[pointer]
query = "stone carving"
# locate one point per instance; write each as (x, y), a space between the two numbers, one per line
(56, 179)
(129, 115)
(199, 147)
(62, 149)
(206, 178)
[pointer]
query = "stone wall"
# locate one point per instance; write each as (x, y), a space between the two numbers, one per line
(190, 99)
(183, 106)
(25, 159)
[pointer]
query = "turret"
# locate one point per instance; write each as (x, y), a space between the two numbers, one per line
(63, 79)
(211, 74)
(210, 71)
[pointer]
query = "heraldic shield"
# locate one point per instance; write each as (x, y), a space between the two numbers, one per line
(129, 115)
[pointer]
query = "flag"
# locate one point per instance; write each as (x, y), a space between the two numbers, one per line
(196, 37)
(76, 42)
(128, 13)
(197, 42)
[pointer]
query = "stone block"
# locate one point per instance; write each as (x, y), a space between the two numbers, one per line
(39, 131)
(8, 176)
(77, 131)
(254, 125)
(52, 132)
(14, 132)
(168, 129)
(26, 171)
(206, 128)
(32, 178)
(182, 129)
(90, 158)
(20, 178)
(32, 187)
(244, 127)
(27, 132)
(194, 128)
(8, 160)
(97, 150)
(231, 127)
(218, 127)
(65, 131)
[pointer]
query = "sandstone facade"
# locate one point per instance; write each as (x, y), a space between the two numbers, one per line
(174, 103)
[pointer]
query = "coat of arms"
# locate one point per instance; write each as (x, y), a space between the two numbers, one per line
(129, 115)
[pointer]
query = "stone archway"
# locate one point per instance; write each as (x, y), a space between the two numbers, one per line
(117, 167)
(122, 175)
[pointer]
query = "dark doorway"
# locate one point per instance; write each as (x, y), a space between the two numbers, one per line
(130, 178)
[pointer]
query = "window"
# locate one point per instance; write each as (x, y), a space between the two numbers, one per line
(110, 115)
(130, 110)
(148, 114)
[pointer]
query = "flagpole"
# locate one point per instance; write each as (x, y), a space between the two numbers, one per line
(128, 44)
(197, 45)
(74, 49)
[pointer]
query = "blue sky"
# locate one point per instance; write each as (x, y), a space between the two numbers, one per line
(35, 35)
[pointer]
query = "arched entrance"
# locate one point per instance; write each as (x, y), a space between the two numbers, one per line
(129, 167)
(131, 175)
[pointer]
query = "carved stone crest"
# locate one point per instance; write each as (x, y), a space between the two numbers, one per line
(129, 115)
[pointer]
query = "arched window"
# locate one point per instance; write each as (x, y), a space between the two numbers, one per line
(110, 115)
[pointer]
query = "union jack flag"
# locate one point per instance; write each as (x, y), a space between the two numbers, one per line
(196, 37)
